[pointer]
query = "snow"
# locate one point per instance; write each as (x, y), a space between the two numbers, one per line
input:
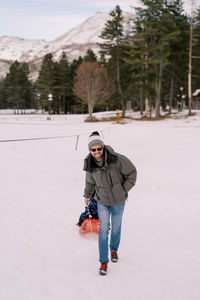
(14, 48)
(42, 254)
(87, 33)
(75, 43)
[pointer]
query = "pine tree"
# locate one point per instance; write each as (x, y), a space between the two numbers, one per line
(2, 97)
(65, 84)
(74, 66)
(151, 48)
(17, 87)
(27, 93)
(90, 56)
(142, 73)
(176, 71)
(46, 80)
(196, 52)
(73, 69)
(113, 36)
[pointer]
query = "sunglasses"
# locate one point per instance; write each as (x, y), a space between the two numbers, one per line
(96, 149)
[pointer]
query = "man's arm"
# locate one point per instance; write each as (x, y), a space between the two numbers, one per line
(130, 173)
(89, 187)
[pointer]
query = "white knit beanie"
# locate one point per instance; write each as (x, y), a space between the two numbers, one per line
(95, 139)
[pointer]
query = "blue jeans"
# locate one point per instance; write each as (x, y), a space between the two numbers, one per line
(116, 213)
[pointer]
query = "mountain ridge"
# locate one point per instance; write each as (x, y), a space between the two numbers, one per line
(74, 43)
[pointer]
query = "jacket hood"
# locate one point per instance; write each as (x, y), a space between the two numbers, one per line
(109, 156)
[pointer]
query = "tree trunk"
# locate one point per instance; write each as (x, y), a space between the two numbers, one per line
(190, 73)
(90, 110)
(141, 103)
(171, 96)
(147, 109)
(17, 108)
(90, 114)
(64, 104)
(119, 85)
(158, 90)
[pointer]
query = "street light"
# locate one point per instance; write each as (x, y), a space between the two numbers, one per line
(181, 92)
(50, 98)
(183, 100)
(180, 103)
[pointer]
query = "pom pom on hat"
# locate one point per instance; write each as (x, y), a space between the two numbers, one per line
(95, 139)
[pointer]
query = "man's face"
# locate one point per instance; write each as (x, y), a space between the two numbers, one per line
(97, 152)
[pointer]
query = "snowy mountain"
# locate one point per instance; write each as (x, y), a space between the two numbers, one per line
(74, 42)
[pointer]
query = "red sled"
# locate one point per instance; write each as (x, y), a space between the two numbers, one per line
(90, 225)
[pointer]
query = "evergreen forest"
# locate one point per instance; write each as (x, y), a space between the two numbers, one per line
(145, 69)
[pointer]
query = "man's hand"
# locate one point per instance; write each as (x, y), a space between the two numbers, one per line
(87, 200)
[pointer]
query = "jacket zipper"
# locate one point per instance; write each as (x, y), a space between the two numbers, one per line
(110, 179)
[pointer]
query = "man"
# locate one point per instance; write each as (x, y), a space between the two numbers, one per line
(109, 177)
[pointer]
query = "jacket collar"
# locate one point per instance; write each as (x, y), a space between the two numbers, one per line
(109, 157)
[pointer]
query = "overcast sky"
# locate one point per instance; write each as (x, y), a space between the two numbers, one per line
(48, 19)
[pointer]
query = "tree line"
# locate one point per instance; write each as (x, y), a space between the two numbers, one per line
(146, 66)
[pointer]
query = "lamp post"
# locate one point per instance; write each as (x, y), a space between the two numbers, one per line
(180, 103)
(181, 93)
(183, 101)
(50, 99)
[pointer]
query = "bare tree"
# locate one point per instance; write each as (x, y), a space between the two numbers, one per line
(92, 85)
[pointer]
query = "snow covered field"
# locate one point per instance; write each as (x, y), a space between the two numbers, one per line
(42, 254)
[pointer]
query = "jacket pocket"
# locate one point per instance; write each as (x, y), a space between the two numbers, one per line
(119, 192)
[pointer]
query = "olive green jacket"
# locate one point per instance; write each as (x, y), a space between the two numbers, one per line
(110, 183)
